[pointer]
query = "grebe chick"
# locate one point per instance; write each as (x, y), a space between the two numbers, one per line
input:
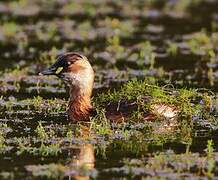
(77, 72)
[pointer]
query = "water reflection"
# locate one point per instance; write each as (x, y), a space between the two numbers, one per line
(83, 158)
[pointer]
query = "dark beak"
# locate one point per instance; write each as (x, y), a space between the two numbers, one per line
(49, 71)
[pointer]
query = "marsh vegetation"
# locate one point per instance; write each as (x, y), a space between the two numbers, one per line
(143, 53)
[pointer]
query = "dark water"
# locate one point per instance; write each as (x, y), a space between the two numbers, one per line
(119, 39)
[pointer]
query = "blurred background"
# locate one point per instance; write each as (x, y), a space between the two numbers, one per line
(172, 40)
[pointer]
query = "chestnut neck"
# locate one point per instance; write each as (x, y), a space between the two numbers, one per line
(80, 107)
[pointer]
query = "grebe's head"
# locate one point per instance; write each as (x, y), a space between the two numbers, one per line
(73, 68)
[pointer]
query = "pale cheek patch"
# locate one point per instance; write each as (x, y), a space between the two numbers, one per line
(71, 78)
(59, 69)
(78, 79)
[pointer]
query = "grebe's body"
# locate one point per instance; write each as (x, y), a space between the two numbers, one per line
(77, 72)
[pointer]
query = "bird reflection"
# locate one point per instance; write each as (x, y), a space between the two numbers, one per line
(83, 158)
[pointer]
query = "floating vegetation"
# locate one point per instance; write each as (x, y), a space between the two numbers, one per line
(169, 164)
(147, 55)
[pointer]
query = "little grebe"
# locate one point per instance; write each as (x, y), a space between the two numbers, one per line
(77, 72)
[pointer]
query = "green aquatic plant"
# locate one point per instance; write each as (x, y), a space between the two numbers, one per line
(48, 57)
(146, 54)
(84, 30)
(112, 30)
(172, 48)
(180, 7)
(132, 146)
(22, 145)
(102, 129)
(99, 124)
(82, 7)
(114, 46)
(121, 28)
(49, 144)
(211, 163)
(164, 160)
(55, 105)
(41, 132)
(9, 29)
(46, 149)
(187, 101)
(4, 145)
(53, 149)
(169, 162)
(19, 4)
(16, 74)
(69, 136)
(2, 140)
(50, 171)
(13, 77)
(60, 171)
(9, 104)
(46, 32)
(200, 43)
(37, 102)
(115, 49)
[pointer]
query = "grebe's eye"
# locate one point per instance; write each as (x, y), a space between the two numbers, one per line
(59, 69)
(69, 63)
